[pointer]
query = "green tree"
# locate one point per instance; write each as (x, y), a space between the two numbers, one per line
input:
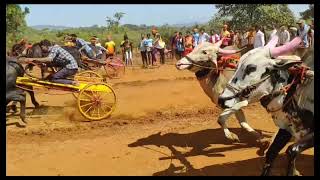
(309, 13)
(243, 16)
(15, 21)
(113, 23)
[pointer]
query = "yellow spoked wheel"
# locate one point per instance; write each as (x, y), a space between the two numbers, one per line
(87, 76)
(97, 101)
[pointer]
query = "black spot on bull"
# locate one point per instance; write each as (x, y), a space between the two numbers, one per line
(234, 80)
(249, 69)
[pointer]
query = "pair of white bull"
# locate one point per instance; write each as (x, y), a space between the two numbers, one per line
(258, 75)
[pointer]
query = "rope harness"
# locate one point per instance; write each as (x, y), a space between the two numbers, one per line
(223, 63)
(299, 74)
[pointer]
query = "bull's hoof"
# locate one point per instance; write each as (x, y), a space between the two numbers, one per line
(294, 173)
(256, 135)
(14, 108)
(23, 119)
(233, 137)
(21, 125)
(11, 107)
(36, 105)
(263, 146)
(266, 170)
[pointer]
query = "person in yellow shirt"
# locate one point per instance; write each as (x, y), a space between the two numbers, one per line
(110, 46)
(251, 37)
(226, 35)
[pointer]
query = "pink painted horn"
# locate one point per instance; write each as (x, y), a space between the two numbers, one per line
(273, 42)
(219, 43)
(291, 46)
(225, 51)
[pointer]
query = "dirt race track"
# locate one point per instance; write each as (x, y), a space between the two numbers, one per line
(164, 125)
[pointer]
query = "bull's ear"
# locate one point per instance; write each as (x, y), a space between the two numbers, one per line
(285, 64)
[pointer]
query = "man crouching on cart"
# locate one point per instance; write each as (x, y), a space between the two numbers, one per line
(60, 58)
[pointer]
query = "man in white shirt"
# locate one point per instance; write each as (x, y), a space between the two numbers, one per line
(273, 32)
(259, 39)
(204, 37)
(284, 36)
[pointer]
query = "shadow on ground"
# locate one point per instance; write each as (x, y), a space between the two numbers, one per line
(202, 143)
(250, 167)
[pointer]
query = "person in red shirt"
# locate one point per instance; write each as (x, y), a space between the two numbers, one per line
(188, 43)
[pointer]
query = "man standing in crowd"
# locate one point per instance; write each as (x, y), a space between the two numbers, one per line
(173, 42)
(259, 38)
(303, 32)
(180, 46)
(226, 35)
(311, 35)
(273, 32)
(149, 43)
(143, 50)
(188, 40)
(159, 46)
(195, 37)
(284, 36)
(127, 50)
(214, 37)
(251, 37)
(293, 32)
(110, 46)
(204, 37)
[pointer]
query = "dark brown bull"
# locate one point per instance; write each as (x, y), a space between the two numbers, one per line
(14, 70)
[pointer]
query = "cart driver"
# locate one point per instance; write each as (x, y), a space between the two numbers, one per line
(60, 58)
(97, 49)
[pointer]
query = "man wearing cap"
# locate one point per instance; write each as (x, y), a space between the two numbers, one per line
(303, 32)
(284, 36)
(293, 32)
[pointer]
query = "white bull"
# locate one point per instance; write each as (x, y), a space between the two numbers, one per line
(203, 61)
(280, 89)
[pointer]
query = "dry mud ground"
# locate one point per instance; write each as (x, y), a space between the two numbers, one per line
(164, 125)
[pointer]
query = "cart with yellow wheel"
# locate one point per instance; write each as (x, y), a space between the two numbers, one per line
(95, 101)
